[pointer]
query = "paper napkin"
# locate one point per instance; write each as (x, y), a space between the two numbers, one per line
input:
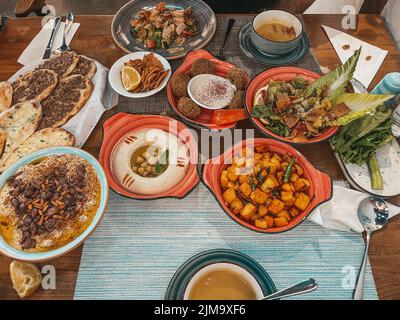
(371, 57)
(340, 213)
(35, 50)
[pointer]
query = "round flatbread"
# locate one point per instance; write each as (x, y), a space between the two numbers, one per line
(42, 139)
(61, 63)
(6, 92)
(85, 67)
(18, 123)
(65, 101)
(36, 84)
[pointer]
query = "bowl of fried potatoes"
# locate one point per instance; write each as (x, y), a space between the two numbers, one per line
(266, 185)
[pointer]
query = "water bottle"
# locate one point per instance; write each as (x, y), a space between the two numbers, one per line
(390, 84)
(396, 117)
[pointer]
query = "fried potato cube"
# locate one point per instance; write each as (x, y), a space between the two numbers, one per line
(270, 183)
(248, 211)
(276, 206)
(245, 188)
(236, 206)
(270, 221)
(286, 187)
(224, 179)
(284, 165)
(261, 223)
(259, 196)
(302, 200)
(280, 222)
(229, 195)
(231, 173)
(294, 177)
(289, 203)
(279, 176)
(270, 166)
(301, 184)
(286, 196)
(299, 169)
(284, 214)
(262, 210)
(294, 212)
(243, 178)
(261, 149)
(257, 156)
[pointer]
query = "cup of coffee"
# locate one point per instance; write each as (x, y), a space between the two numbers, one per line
(276, 32)
(223, 281)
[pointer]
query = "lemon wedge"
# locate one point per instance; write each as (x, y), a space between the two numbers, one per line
(26, 278)
(130, 78)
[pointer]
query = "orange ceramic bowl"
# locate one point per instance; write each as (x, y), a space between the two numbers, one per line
(320, 189)
(122, 123)
(282, 74)
(221, 69)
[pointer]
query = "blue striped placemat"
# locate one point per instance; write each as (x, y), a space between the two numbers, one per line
(140, 244)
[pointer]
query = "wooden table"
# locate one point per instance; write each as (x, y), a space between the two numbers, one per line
(94, 40)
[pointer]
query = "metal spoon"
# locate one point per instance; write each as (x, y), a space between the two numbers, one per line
(373, 213)
(299, 288)
(68, 24)
(220, 54)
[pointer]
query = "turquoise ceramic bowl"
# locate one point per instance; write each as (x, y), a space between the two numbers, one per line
(9, 251)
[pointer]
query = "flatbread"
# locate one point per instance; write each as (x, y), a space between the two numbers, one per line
(6, 92)
(65, 101)
(36, 84)
(86, 67)
(62, 63)
(42, 139)
(18, 123)
(3, 139)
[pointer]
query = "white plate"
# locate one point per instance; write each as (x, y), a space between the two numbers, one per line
(114, 75)
(389, 162)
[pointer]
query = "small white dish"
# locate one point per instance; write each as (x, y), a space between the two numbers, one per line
(198, 84)
(225, 266)
(114, 76)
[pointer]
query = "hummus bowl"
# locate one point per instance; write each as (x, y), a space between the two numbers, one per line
(149, 156)
(74, 224)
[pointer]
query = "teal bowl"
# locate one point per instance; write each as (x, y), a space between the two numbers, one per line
(11, 252)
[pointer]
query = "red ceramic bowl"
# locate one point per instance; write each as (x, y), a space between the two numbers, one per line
(281, 74)
(320, 190)
(122, 123)
(221, 69)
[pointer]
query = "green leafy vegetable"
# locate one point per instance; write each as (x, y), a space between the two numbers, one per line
(375, 173)
(360, 105)
(358, 141)
(336, 80)
(162, 163)
(266, 115)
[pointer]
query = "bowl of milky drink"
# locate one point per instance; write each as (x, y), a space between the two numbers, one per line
(276, 32)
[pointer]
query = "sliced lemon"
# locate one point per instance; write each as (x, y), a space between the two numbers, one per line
(26, 278)
(130, 78)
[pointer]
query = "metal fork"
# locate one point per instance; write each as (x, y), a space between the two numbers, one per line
(68, 24)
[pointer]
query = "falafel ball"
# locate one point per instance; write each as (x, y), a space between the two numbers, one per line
(236, 76)
(179, 84)
(237, 100)
(201, 66)
(189, 108)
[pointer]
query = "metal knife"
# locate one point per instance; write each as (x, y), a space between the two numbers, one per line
(47, 53)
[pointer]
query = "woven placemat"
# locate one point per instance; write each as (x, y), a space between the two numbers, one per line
(158, 103)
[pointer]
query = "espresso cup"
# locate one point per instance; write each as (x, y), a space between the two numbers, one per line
(244, 274)
(271, 46)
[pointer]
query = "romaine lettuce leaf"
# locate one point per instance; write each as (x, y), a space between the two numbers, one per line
(337, 79)
(360, 105)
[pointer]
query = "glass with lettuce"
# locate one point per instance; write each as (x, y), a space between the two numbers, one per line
(298, 110)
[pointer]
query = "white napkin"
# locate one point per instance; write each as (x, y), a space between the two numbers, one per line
(35, 50)
(366, 69)
(340, 213)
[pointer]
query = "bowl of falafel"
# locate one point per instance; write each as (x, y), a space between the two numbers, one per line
(203, 84)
